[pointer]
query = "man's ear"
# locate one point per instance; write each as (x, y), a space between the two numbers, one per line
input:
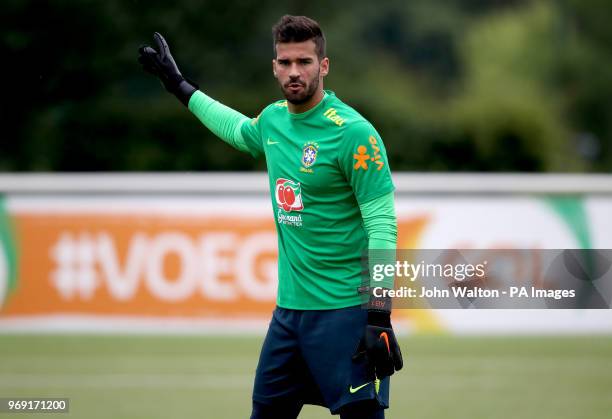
(274, 67)
(324, 66)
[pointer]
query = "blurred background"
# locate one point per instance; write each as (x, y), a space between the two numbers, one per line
(454, 85)
(146, 295)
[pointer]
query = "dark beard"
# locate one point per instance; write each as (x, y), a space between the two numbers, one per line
(305, 96)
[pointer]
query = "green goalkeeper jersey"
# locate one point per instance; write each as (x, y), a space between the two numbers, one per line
(322, 164)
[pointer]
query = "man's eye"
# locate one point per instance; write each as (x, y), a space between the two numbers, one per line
(283, 62)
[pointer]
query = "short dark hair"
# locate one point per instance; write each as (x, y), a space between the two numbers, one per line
(299, 29)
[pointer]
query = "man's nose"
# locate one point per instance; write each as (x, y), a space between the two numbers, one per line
(294, 71)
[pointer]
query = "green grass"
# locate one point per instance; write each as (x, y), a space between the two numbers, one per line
(211, 377)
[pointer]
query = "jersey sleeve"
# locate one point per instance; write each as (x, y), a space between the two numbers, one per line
(251, 133)
(363, 160)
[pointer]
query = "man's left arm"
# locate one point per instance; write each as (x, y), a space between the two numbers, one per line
(363, 160)
(380, 344)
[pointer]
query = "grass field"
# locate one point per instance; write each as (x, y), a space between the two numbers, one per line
(211, 377)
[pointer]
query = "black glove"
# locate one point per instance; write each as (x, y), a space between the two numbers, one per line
(379, 346)
(161, 64)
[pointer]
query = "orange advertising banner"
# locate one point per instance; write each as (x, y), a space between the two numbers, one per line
(143, 265)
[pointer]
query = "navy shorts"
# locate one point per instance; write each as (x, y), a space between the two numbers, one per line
(306, 358)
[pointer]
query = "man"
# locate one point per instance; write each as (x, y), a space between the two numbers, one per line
(332, 196)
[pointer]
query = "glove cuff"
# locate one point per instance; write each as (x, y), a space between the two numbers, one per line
(184, 90)
(379, 318)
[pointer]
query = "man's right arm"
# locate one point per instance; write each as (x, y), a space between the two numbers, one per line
(221, 120)
(231, 126)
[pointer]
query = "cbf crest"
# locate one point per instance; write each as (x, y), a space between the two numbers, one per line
(309, 154)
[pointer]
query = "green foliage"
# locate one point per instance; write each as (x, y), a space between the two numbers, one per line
(521, 85)
(509, 110)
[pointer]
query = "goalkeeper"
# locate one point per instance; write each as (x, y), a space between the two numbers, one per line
(332, 196)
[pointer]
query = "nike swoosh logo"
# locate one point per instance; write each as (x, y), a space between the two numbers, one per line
(270, 142)
(356, 389)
